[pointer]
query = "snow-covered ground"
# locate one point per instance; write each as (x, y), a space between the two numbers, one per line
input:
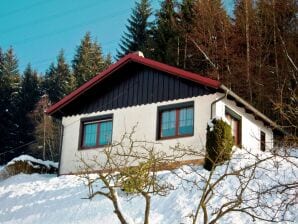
(49, 199)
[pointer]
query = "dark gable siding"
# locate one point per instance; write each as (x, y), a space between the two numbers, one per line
(134, 84)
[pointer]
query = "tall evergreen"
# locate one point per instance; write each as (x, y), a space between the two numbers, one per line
(88, 60)
(28, 96)
(166, 36)
(58, 79)
(186, 24)
(29, 92)
(9, 89)
(137, 36)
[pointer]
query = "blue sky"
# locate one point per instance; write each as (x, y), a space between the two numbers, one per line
(38, 29)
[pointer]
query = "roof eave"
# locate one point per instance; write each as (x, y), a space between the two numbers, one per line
(255, 111)
(132, 58)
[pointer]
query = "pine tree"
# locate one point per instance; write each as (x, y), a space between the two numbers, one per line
(30, 91)
(9, 89)
(108, 61)
(58, 79)
(28, 96)
(186, 24)
(166, 36)
(137, 37)
(88, 60)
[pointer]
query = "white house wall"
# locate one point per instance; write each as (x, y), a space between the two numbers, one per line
(250, 126)
(144, 117)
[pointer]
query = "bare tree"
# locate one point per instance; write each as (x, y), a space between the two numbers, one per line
(131, 165)
(250, 195)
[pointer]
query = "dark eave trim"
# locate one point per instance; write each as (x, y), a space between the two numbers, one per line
(251, 110)
(137, 59)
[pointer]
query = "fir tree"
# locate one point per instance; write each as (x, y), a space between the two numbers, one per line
(108, 61)
(166, 34)
(137, 37)
(28, 96)
(186, 24)
(9, 89)
(29, 92)
(88, 60)
(58, 79)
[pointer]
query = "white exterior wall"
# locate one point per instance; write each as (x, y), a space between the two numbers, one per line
(145, 117)
(250, 130)
(124, 119)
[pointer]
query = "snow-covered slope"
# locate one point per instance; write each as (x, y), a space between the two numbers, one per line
(39, 198)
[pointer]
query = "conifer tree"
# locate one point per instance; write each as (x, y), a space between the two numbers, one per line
(58, 79)
(166, 36)
(186, 24)
(137, 36)
(9, 89)
(28, 96)
(108, 61)
(88, 60)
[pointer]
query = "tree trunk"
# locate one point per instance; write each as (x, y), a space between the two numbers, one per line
(147, 209)
(247, 36)
(116, 207)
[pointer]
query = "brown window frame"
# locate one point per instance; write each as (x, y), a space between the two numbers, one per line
(262, 141)
(177, 107)
(237, 118)
(97, 120)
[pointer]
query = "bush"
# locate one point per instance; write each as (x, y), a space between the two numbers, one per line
(28, 165)
(219, 143)
(137, 179)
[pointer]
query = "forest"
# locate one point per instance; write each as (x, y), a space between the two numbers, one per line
(253, 52)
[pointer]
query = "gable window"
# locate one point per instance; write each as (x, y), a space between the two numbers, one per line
(176, 120)
(235, 122)
(96, 132)
(263, 141)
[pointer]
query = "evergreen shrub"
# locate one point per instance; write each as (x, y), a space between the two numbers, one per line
(219, 143)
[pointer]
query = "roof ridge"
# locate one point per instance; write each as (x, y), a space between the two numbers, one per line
(123, 61)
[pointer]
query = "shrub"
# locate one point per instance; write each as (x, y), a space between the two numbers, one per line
(137, 179)
(28, 165)
(219, 143)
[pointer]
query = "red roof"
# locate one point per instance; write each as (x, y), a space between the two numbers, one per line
(123, 61)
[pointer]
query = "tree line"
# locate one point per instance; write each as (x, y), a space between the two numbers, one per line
(253, 52)
(24, 128)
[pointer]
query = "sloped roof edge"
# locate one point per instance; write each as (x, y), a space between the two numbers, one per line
(123, 61)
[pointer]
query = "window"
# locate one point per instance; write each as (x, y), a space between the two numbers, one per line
(263, 141)
(96, 132)
(176, 120)
(235, 122)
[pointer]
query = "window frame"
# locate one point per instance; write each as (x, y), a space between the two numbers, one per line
(177, 107)
(96, 119)
(238, 118)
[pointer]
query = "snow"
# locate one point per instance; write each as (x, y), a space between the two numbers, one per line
(28, 158)
(45, 198)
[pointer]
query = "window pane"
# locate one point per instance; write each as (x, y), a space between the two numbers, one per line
(168, 123)
(90, 133)
(105, 132)
(186, 121)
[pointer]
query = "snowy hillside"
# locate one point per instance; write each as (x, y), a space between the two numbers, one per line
(49, 199)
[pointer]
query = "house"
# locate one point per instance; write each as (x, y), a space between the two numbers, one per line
(169, 106)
